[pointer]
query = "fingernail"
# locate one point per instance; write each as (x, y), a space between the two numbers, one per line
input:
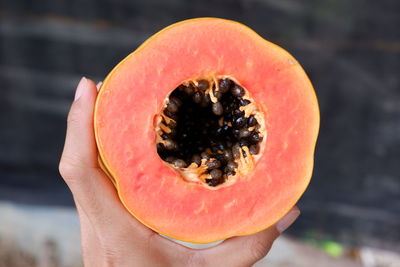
(98, 85)
(288, 220)
(79, 89)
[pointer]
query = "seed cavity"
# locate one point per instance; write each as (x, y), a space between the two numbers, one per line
(210, 130)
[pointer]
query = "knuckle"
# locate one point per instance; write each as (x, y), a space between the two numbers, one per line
(69, 168)
(258, 249)
(66, 169)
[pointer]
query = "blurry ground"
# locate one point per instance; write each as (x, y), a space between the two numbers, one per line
(49, 237)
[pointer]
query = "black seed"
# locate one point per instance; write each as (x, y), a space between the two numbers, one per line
(216, 174)
(219, 131)
(171, 124)
(227, 154)
(220, 157)
(160, 148)
(237, 91)
(180, 88)
(255, 138)
(206, 100)
(180, 163)
(170, 159)
(238, 113)
(254, 149)
(196, 159)
(231, 165)
(244, 153)
(170, 114)
(197, 97)
(189, 90)
(205, 155)
(213, 164)
(170, 145)
(244, 133)
(244, 142)
(221, 146)
(164, 136)
(217, 108)
(236, 151)
(227, 107)
(217, 94)
(224, 85)
(225, 170)
(203, 85)
(172, 133)
(236, 101)
(229, 172)
(213, 182)
(239, 122)
(176, 100)
(244, 102)
(251, 121)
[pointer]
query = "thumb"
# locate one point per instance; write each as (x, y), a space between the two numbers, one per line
(80, 148)
(78, 165)
(247, 250)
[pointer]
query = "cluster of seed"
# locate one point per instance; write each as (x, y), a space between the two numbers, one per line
(199, 129)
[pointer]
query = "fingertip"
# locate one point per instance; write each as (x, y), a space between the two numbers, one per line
(80, 88)
(288, 219)
(84, 85)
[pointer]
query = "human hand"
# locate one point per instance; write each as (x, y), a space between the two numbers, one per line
(110, 235)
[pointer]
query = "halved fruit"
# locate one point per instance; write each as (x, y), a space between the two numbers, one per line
(207, 131)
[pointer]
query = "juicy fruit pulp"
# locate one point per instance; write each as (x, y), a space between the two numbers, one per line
(209, 131)
(130, 106)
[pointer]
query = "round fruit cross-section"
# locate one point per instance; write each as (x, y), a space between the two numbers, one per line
(207, 130)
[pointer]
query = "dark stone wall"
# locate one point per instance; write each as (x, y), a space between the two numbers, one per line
(350, 49)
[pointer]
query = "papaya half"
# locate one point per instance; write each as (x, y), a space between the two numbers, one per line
(207, 130)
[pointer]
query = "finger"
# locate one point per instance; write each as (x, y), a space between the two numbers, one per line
(78, 166)
(246, 250)
(80, 147)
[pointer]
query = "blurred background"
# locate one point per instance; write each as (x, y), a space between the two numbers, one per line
(350, 50)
